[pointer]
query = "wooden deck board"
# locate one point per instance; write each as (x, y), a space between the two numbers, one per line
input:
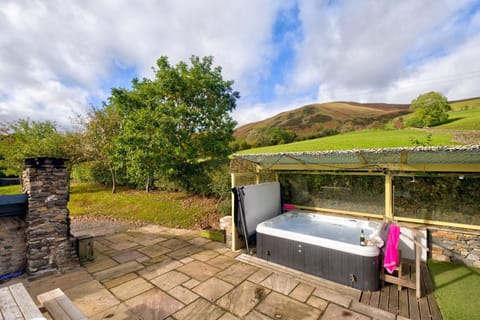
(404, 303)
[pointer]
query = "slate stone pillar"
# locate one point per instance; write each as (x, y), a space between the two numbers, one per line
(50, 246)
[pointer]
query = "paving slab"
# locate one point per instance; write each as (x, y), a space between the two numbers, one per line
(184, 252)
(221, 261)
(91, 298)
(160, 268)
(150, 241)
(243, 298)
(254, 315)
(117, 312)
(317, 302)
(153, 304)
(175, 243)
(131, 288)
(212, 289)
(280, 283)
(100, 264)
(117, 271)
(205, 255)
(191, 283)
(199, 241)
(278, 306)
(228, 316)
(215, 245)
(186, 260)
(335, 312)
(333, 296)
(199, 270)
(154, 250)
(302, 292)
(64, 281)
(201, 309)
(237, 272)
(128, 256)
(123, 245)
(260, 275)
(372, 312)
(119, 237)
(169, 280)
(183, 294)
(120, 280)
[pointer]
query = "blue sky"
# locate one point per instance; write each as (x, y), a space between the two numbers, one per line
(57, 57)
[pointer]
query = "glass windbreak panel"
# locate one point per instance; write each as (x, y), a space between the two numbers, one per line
(339, 192)
(440, 198)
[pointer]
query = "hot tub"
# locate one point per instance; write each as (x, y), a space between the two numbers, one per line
(322, 245)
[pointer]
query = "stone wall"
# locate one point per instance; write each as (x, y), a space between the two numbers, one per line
(12, 245)
(455, 245)
(49, 245)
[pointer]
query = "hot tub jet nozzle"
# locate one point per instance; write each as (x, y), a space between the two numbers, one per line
(352, 278)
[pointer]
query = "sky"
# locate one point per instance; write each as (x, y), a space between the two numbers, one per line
(58, 58)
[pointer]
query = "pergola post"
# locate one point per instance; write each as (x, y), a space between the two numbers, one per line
(388, 195)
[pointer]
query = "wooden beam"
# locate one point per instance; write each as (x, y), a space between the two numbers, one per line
(388, 196)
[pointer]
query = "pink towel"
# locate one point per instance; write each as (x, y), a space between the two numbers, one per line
(390, 262)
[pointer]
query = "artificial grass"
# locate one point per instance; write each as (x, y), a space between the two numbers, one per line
(171, 209)
(456, 289)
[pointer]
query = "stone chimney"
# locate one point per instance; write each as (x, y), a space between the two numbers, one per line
(50, 246)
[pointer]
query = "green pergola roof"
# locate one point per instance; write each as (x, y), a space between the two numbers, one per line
(427, 159)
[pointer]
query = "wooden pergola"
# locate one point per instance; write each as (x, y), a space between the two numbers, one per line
(456, 160)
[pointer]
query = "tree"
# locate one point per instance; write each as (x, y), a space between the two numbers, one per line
(100, 130)
(25, 139)
(430, 109)
(171, 122)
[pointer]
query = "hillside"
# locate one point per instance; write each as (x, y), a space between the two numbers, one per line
(463, 127)
(338, 116)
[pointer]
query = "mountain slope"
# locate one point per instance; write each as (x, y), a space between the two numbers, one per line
(339, 116)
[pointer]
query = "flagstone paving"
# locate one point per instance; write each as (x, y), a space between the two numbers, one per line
(153, 272)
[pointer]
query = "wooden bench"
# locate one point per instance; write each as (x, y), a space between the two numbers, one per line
(59, 306)
(16, 303)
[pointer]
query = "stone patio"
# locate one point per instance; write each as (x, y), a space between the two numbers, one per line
(154, 272)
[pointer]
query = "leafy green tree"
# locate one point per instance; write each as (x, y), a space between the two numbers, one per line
(171, 122)
(430, 109)
(25, 139)
(101, 126)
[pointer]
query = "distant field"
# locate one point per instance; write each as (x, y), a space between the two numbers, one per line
(360, 140)
(466, 104)
(463, 120)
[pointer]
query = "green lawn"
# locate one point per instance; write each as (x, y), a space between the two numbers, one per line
(365, 139)
(457, 288)
(15, 189)
(171, 209)
(462, 120)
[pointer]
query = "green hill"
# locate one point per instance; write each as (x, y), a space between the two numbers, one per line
(338, 116)
(365, 139)
(368, 126)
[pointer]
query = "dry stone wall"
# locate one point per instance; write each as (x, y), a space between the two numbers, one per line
(12, 245)
(459, 246)
(49, 244)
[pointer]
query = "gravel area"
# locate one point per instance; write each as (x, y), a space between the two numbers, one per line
(99, 226)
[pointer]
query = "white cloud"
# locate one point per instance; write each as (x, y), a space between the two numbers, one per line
(57, 56)
(77, 44)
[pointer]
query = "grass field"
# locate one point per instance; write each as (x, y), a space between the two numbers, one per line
(456, 290)
(171, 209)
(462, 120)
(16, 189)
(359, 140)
